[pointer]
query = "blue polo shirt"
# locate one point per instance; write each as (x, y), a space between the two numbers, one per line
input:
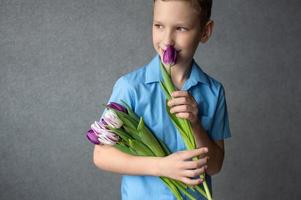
(141, 90)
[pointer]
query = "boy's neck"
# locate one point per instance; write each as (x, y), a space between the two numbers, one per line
(180, 73)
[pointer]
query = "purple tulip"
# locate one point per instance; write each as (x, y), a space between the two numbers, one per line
(117, 106)
(92, 137)
(104, 135)
(170, 55)
(103, 121)
(111, 119)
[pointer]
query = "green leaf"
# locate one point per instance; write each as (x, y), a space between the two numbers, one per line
(200, 190)
(167, 79)
(164, 147)
(174, 119)
(133, 151)
(172, 187)
(151, 141)
(177, 123)
(121, 133)
(140, 148)
(193, 140)
(167, 95)
(181, 183)
(132, 132)
(184, 128)
(140, 125)
(128, 122)
(130, 111)
(183, 187)
(124, 149)
(185, 124)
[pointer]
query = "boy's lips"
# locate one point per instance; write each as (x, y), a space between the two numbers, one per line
(162, 50)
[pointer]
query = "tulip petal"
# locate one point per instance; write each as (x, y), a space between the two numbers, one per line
(170, 55)
(112, 119)
(92, 137)
(117, 106)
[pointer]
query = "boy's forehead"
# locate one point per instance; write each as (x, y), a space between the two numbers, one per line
(184, 6)
(180, 12)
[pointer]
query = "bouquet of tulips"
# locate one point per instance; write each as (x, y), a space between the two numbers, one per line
(121, 127)
(183, 125)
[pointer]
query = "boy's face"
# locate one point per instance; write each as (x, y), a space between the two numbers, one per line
(176, 23)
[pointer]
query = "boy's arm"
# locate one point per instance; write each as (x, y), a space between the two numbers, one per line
(184, 106)
(109, 158)
(216, 149)
(178, 165)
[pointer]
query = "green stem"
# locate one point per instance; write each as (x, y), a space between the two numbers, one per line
(183, 189)
(207, 190)
(200, 190)
(202, 176)
(172, 187)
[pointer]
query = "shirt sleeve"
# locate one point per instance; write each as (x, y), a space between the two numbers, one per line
(121, 92)
(220, 126)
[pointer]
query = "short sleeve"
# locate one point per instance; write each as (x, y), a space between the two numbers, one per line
(220, 126)
(121, 92)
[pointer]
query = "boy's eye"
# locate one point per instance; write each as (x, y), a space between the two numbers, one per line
(182, 29)
(158, 26)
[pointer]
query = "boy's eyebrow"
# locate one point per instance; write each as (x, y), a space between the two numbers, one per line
(182, 24)
(177, 24)
(156, 21)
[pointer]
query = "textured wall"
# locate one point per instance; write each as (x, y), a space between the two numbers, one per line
(60, 59)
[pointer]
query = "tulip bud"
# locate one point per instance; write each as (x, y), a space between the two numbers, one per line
(117, 106)
(92, 137)
(170, 55)
(105, 136)
(111, 119)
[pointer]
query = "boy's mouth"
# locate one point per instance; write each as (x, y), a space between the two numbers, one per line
(162, 50)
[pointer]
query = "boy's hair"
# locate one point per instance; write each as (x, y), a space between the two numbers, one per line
(203, 7)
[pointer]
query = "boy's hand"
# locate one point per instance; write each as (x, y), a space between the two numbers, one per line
(184, 106)
(179, 166)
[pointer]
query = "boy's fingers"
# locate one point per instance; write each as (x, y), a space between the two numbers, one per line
(177, 101)
(193, 153)
(196, 172)
(195, 164)
(181, 108)
(179, 93)
(191, 182)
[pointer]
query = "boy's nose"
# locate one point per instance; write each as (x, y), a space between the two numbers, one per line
(168, 39)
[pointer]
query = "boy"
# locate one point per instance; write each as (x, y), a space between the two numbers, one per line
(200, 99)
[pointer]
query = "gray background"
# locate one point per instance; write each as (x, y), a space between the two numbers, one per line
(60, 59)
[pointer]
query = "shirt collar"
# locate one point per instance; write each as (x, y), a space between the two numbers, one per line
(153, 73)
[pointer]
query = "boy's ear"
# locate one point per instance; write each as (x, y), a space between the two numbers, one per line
(207, 31)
